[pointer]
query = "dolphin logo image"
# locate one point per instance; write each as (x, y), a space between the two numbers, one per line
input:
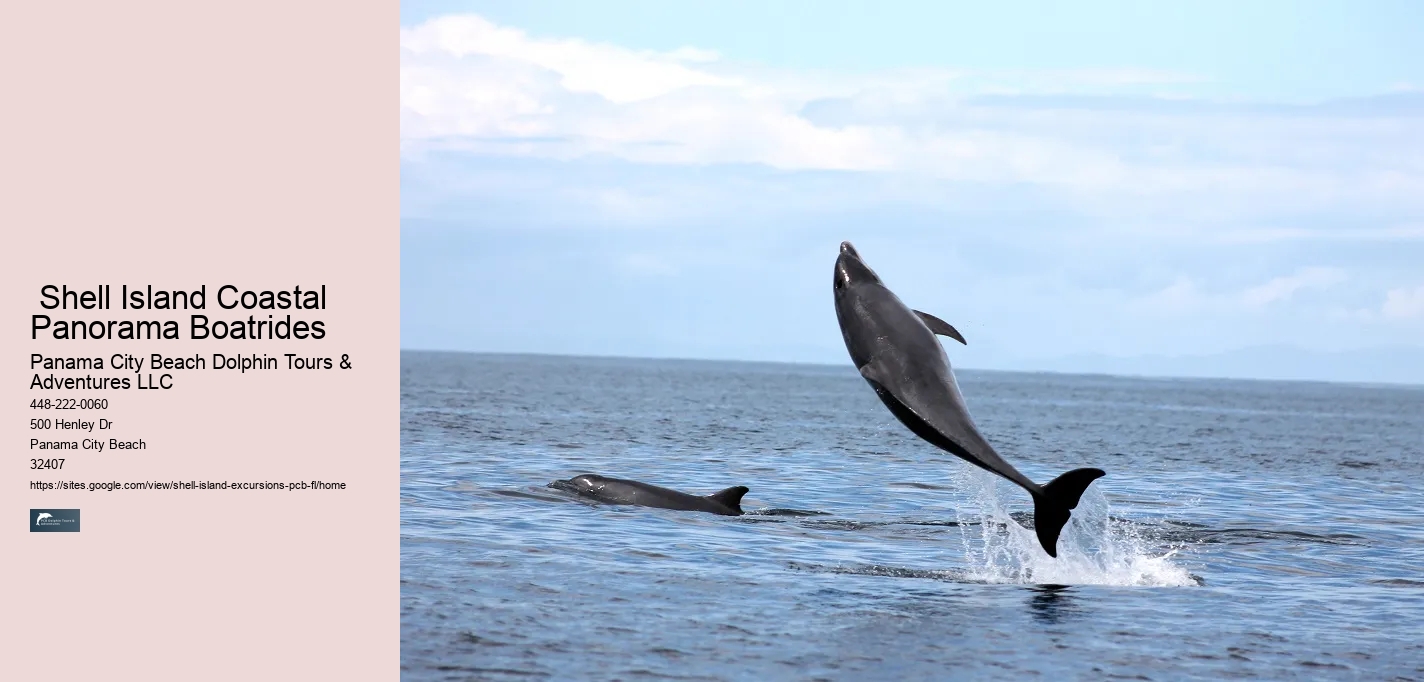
(43, 516)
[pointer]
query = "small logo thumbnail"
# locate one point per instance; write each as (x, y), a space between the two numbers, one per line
(54, 520)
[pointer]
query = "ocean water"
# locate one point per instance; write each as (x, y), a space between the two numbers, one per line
(1245, 529)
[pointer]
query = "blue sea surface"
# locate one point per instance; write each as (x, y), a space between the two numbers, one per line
(1245, 529)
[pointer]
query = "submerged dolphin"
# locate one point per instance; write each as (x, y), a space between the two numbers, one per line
(622, 491)
(896, 351)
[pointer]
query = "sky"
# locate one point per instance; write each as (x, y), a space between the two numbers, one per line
(1219, 189)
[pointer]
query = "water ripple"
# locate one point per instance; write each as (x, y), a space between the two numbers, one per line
(1245, 529)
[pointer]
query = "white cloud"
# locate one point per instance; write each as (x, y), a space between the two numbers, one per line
(1361, 233)
(486, 86)
(614, 73)
(1181, 296)
(1282, 288)
(1404, 303)
(464, 77)
(1089, 139)
(1185, 297)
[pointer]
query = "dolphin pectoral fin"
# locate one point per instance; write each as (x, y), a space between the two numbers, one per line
(881, 381)
(872, 373)
(941, 327)
(731, 497)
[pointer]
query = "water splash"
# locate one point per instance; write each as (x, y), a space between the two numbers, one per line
(1092, 550)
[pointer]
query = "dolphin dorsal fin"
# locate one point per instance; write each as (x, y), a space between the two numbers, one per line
(731, 497)
(941, 327)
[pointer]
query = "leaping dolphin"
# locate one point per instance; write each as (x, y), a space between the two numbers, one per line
(896, 351)
(622, 491)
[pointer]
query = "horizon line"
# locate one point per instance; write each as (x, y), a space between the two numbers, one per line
(1363, 384)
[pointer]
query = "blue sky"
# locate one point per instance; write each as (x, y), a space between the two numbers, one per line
(1070, 184)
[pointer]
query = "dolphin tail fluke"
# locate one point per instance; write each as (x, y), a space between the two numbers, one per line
(1054, 505)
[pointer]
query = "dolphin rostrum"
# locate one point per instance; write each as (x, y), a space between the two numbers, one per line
(622, 491)
(896, 351)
